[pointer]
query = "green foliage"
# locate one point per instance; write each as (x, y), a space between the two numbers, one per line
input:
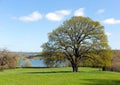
(77, 39)
(58, 76)
(52, 59)
(99, 58)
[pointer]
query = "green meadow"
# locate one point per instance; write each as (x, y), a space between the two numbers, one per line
(58, 76)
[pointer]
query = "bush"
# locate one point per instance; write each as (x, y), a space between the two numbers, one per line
(7, 59)
(27, 63)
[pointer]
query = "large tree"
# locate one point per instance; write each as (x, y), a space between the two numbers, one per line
(77, 39)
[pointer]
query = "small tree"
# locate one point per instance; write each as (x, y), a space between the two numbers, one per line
(116, 61)
(76, 39)
(7, 59)
(27, 63)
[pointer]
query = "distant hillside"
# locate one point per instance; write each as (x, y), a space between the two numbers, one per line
(116, 54)
(27, 54)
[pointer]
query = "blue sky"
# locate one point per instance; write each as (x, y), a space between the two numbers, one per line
(25, 24)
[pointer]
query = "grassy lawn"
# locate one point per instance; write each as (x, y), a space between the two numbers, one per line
(58, 76)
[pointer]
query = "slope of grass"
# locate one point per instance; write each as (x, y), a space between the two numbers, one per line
(58, 76)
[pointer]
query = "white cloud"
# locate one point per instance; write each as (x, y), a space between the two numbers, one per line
(57, 15)
(79, 12)
(108, 34)
(35, 16)
(100, 11)
(111, 21)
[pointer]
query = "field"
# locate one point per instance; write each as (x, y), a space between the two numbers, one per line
(58, 76)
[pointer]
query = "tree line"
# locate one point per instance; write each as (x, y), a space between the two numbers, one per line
(52, 61)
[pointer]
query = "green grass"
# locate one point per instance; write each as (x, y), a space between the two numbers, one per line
(58, 76)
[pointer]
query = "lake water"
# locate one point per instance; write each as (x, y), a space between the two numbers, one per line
(35, 63)
(40, 63)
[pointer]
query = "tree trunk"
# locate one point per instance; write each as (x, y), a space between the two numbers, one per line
(106, 68)
(75, 68)
(2, 68)
(103, 68)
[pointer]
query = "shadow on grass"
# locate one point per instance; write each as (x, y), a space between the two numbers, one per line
(101, 82)
(51, 72)
(48, 72)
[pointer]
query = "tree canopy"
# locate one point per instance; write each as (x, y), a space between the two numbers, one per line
(78, 39)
